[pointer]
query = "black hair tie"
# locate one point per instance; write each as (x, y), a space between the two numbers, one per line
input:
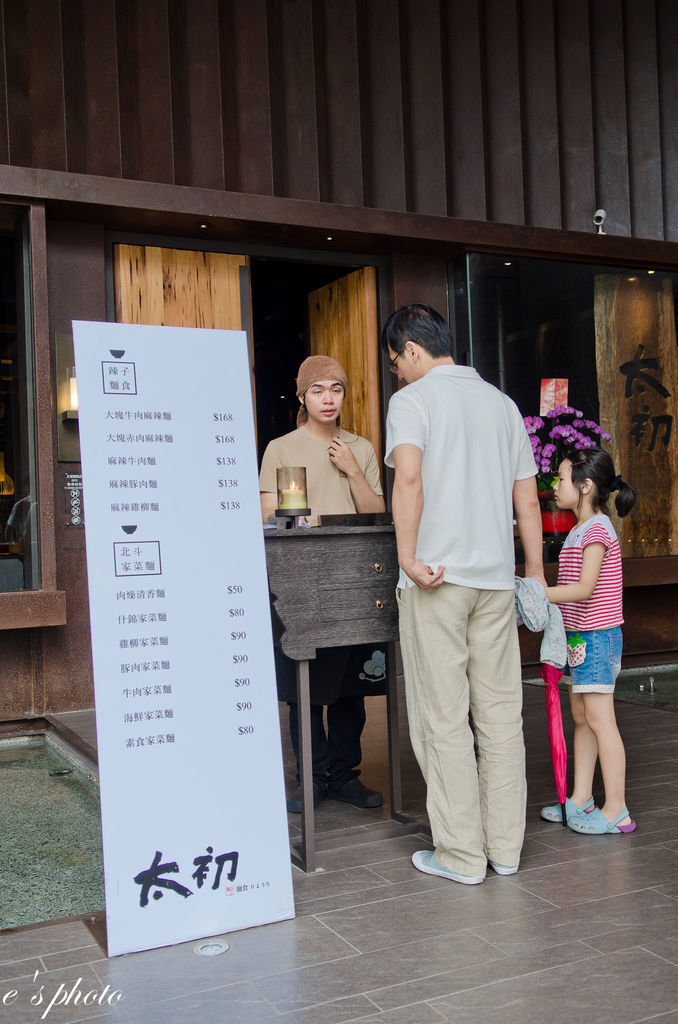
(616, 483)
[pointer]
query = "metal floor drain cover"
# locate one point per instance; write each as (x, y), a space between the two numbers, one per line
(212, 948)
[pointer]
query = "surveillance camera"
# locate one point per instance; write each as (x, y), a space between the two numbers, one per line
(599, 219)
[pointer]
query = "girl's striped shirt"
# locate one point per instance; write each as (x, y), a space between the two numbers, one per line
(604, 608)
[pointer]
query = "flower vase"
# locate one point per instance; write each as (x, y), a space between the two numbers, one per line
(554, 519)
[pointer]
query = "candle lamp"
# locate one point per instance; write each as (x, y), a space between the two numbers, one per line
(292, 499)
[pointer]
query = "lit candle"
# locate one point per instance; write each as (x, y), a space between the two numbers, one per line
(292, 497)
(291, 487)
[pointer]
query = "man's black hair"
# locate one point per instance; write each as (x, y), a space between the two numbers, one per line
(421, 324)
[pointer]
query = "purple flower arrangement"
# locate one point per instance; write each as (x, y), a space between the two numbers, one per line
(551, 435)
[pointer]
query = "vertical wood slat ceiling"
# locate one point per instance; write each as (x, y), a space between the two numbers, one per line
(519, 111)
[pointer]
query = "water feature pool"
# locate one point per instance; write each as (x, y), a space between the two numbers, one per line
(50, 833)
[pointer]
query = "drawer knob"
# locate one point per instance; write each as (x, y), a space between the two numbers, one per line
(380, 605)
(378, 567)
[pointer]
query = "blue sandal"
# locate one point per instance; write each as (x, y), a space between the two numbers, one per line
(554, 813)
(596, 824)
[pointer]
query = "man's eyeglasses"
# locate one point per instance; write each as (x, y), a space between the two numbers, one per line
(393, 363)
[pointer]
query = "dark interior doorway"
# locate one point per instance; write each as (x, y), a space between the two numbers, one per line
(280, 290)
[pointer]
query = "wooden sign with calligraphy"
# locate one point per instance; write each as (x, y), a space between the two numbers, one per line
(637, 365)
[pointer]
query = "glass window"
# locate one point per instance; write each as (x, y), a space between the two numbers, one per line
(19, 554)
(600, 340)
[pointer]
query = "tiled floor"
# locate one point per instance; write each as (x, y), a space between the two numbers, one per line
(587, 931)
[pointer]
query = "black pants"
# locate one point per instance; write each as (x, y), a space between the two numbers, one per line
(336, 755)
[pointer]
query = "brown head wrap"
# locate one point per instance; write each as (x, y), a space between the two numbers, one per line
(312, 370)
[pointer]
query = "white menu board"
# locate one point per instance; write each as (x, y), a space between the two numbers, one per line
(192, 796)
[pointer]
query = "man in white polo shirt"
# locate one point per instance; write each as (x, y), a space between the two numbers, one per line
(463, 462)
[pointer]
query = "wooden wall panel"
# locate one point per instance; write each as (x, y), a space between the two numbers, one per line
(246, 97)
(465, 117)
(18, 84)
(644, 138)
(540, 119)
(637, 364)
(343, 324)
(196, 93)
(382, 105)
(575, 106)
(177, 287)
(503, 128)
(667, 33)
(47, 106)
(75, 90)
(145, 90)
(293, 82)
(338, 106)
(519, 111)
(611, 144)
(425, 169)
(4, 123)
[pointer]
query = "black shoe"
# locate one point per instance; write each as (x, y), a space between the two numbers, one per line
(294, 802)
(353, 792)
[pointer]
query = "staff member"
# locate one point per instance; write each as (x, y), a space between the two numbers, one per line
(342, 476)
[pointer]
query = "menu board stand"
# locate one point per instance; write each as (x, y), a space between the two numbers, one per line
(193, 811)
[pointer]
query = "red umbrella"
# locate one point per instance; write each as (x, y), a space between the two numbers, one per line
(550, 674)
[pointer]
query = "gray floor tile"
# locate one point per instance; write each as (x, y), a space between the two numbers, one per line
(606, 924)
(176, 971)
(613, 994)
(377, 941)
(51, 938)
(608, 871)
(501, 969)
(71, 993)
(449, 908)
(19, 969)
(419, 1013)
(415, 959)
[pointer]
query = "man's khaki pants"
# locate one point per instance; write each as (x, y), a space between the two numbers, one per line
(460, 654)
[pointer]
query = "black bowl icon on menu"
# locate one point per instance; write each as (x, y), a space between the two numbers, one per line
(117, 353)
(129, 529)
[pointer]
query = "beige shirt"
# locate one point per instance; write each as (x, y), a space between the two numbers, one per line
(329, 491)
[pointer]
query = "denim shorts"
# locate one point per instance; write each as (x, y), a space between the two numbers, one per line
(593, 659)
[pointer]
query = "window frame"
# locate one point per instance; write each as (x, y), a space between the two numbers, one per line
(23, 609)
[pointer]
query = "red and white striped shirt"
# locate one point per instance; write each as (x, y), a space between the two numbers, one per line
(603, 609)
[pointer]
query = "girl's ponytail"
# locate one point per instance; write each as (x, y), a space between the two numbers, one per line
(596, 465)
(625, 498)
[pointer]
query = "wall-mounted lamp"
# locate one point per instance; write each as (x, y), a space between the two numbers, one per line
(6, 482)
(68, 438)
(71, 396)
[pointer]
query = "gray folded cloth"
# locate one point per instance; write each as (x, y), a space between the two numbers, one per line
(534, 610)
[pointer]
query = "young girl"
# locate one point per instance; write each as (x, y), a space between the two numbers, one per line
(589, 592)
